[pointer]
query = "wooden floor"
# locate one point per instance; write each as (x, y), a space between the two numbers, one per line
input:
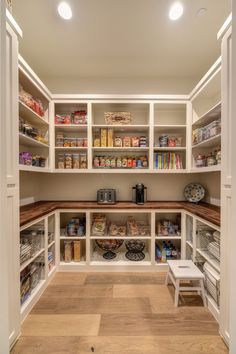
(119, 313)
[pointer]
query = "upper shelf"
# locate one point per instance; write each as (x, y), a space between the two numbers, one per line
(212, 142)
(213, 113)
(27, 141)
(31, 116)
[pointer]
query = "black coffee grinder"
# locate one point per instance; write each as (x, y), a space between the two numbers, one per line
(139, 194)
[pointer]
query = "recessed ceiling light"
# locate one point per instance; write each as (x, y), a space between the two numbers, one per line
(176, 11)
(64, 10)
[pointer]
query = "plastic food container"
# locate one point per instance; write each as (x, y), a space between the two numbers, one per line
(68, 161)
(77, 251)
(83, 161)
(76, 161)
(61, 161)
(200, 161)
(68, 251)
(80, 142)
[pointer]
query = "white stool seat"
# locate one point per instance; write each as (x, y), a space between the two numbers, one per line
(185, 270)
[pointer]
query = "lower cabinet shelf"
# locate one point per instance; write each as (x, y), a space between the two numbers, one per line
(32, 296)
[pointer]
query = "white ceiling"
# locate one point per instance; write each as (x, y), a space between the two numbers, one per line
(120, 38)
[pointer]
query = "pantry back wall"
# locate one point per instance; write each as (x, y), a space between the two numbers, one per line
(84, 187)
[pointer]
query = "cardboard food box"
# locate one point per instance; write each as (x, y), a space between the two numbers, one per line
(110, 137)
(103, 137)
(77, 251)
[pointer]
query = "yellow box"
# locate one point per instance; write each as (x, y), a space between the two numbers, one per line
(103, 137)
(77, 251)
(110, 138)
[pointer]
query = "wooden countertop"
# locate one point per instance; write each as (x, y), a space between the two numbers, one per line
(34, 211)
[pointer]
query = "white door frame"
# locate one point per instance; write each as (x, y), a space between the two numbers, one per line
(4, 327)
(233, 162)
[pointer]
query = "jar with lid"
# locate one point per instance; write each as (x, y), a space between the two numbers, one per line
(76, 164)
(73, 142)
(218, 157)
(61, 161)
(200, 161)
(172, 141)
(68, 161)
(68, 251)
(67, 142)
(80, 142)
(163, 140)
(59, 140)
(83, 160)
(211, 161)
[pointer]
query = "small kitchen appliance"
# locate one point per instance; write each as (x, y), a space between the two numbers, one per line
(139, 194)
(106, 196)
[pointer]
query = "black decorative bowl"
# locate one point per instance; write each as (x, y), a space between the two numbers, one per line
(135, 245)
(109, 246)
(135, 248)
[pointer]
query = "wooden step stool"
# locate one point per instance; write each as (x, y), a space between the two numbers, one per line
(185, 270)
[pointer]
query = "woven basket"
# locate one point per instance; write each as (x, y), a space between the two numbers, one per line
(118, 118)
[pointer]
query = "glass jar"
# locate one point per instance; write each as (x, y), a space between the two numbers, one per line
(218, 157)
(211, 161)
(80, 142)
(200, 161)
(83, 161)
(59, 140)
(73, 142)
(163, 140)
(76, 164)
(61, 161)
(68, 251)
(67, 142)
(68, 161)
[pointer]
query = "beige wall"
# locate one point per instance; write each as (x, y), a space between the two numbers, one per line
(83, 187)
(120, 85)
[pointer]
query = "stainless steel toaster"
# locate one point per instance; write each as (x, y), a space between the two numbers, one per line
(106, 196)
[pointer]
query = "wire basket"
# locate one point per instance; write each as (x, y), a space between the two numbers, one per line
(212, 283)
(205, 236)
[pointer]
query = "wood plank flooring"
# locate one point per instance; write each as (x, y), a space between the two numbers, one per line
(125, 313)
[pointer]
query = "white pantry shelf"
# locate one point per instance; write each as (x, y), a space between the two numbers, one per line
(73, 264)
(51, 244)
(51, 271)
(189, 243)
(71, 128)
(170, 126)
(180, 148)
(210, 259)
(120, 237)
(170, 237)
(120, 148)
(122, 127)
(70, 170)
(212, 142)
(34, 292)
(26, 263)
(30, 116)
(209, 116)
(214, 168)
(27, 141)
(72, 237)
(33, 168)
(181, 170)
(70, 148)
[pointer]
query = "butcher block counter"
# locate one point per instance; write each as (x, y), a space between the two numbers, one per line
(36, 210)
